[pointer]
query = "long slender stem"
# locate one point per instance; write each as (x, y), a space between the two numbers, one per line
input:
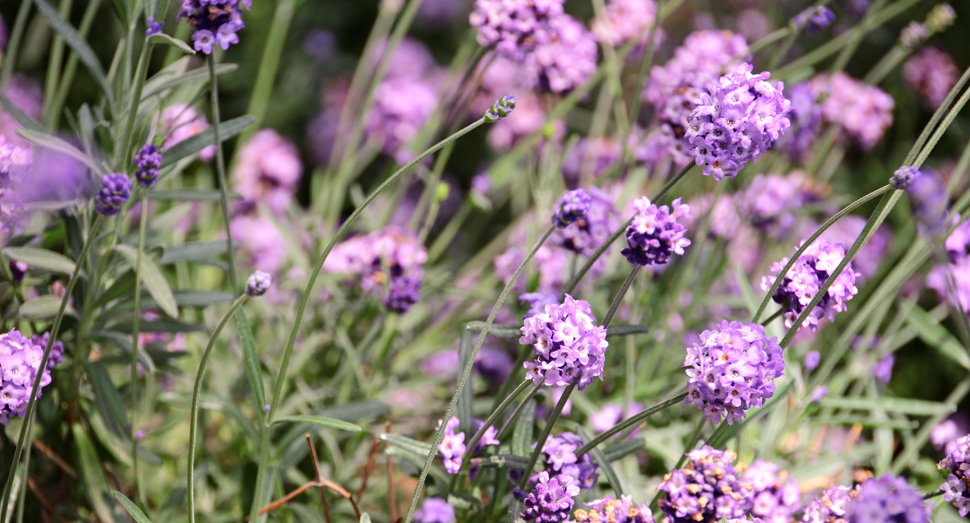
(135, 327)
(691, 443)
(541, 442)
(493, 417)
(467, 372)
(618, 299)
(55, 62)
(139, 83)
(507, 426)
(269, 65)
(13, 44)
(70, 69)
(937, 116)
(55, 331)
(632, 421)
(196, 394)
(221, 171)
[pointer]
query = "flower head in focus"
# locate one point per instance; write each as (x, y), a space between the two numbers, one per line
(831, 506)
(561, 460)
(572, 206)
(452, 446)
(656, 232)
(500, 109)
(588, 232)
(551, 499)
(612, 510)
(903, 177)
(154, 27)
(258, 283)
(215, 22)
(569, 346)
(19, 367)
(708, 489)
(115, 191)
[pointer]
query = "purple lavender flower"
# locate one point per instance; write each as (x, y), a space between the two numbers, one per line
(812, 359)
(57, 349)
(18, 270)
(402, 293)
(931, 73)
(903, 177)
(569, 347)
(732, 369)
(153, 26)
(820, 392)
(611, 414)
(949, 430)
(956, 465)
(261, 240)
(115, 191)
(435, 510)
(625, 20)
(552, 262)
(774, 492)
(708, 489)
(19, 364)
(814, 19)
(737, 122)
(180, 122)
(258, 283)
(215, 22)
(566, 60)
(656, 233)
(551, 499)
(831, 506)
(537, 302)
(864, 111)
(452, 446)
(590, 231)
(806, 277)
(148, 160)
(514, 27)
(888, 499)
(267, 170)
(402, 105)
(597, 153)
(500, 109)
(561, 460)
(612, 510)
(883, 371)
(572, 206)
(806, 119)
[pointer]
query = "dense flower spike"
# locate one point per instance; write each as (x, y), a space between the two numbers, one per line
(956, 466)
(19, 364)
(148, 160)
(831, 506)
(566, 60)
(814, 19)
(864, 111)
(452, 446)
(805, 278)
(572, 206)
(514, 27)
(708, 489)
(656, 232)
(625, 20)
(402, 293)
(569, 347)
(737, 122)
(888, 499)
(931, 73)
(903, 177)
(402, 105)
(435, 510)
(551, 499)
(587, 233)
(267, 170)
(774, 492)
(115, 191)
(806, 119)
(214, 21)
(612, 510)
(500, 109)
(258, 283)
(732, 369)
(561, 460)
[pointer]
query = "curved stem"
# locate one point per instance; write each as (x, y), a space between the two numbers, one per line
(935, 119)
(493, 417)
(196, 394)
(632, 421)
(32, 401)
(221, 170)
(507, 426)
(618, 299)
(135, 328)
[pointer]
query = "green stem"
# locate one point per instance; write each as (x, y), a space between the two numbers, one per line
(196, 395)
(931, 495)
(67, 79)
(944, 125)
(618, 299)
(54, 64)
(135, 327)
(507, 426)
(493, 417)
(782, 50)
(32, 401)
(269, 65)
(541, 442)
(139, 83)
(439, 435)
(13, 44)
(221, 171)
(632, 421)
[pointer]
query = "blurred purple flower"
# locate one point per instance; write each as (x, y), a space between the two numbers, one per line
(888, 499)
(435, 510)
(883, 370)
(655, 234)
(595, 153)
(267, 170)
(566, 60)
(25, 94)
(863, 111)
(401, 107)
(586, 234)
(812, 359)
(806, 119)
(181, 121)
(320, 44)
(831, 506)
(931, 73)
(774, 492)
(261, 240)
(550, 500)
(949, 430)
(814, 18)
(611, 510)
(625, 20)
(611, 414)
(514, 27)
(820, 392)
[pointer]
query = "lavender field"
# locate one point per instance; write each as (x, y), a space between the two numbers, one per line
(484, 261)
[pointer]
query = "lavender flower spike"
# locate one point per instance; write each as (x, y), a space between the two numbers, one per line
(888, 499)
(500, 109)
(903, 177)
(831, 506)
(435, 510)
(568, 345)
(258, 283)
(956, 466)
(656, 233)
(707, 490)
(613, 510)
(572, 206)
(154, 27)
(148, 160)
(115, 191)
(814, 19)
(19, 366)
(551, 500)
(215, 22)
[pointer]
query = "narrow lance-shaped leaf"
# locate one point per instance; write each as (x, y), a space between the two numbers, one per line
(193, 145)
(152, 278)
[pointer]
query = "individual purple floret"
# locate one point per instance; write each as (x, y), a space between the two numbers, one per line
(258, 283)
(19, 363)
(148, 160)
(626, 20)
(551, 499)
(500, 109)
(812, 358)
(806, 277)
(561, 460)
(831, 506)
(732, 369)
(956, 466)
(708, 489)
(589, 232)
(57, 349)
(115, 191)
(612, 510)
(889, 499)
(452, 446)
(864, 111)
(656, 233)
(814, 19)
(737, 122)
(572, 206)
(774, 492)
(931, 73)
(569, 346)
(566, 61)
(214, 21)
(903, 177)
(805, 118)
(153, 26)
(514, 27)
(402, 293)
(435, 510)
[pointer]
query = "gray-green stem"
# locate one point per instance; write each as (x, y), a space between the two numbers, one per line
(135, 330)
(507, 426)
(493, 417)
(541, 442)
(632, 421)
(221, 171)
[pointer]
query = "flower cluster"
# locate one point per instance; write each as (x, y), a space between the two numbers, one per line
(774, 492)
(612, 510)
(267, 169)
(19, 363)
(551, 499)
(732, 369)
(402, 105)
(931, 73)
(148, 160)
(561, 460)
(805, 118)
(115, 191)
(956, 466)
(572, 206)
(903, 177)
(888, 499)
(452, 446)
(514, 27)
(382, 257)
(258, 283)
(814, 19)
(708, 489)
(589, 232)
(770, 201)
(831, 506)
(569, 347)
(806, 277)
(214, 21)
(656, 232)
(435, 510)
(864, 111)
(737, 122)
(567, 60)
(625, 20)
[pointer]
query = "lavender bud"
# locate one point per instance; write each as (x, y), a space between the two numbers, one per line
(500, 109)
(912, 35)
(814, 19)
(258, 283)
(18, 270)
(115, 191)
(573, 206)
(903, 177)
(148, 160)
